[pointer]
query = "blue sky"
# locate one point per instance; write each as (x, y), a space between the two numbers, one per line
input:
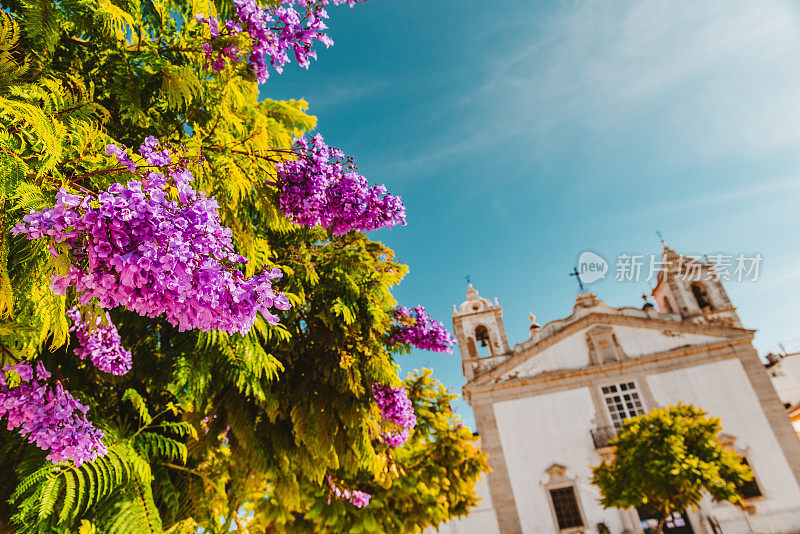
(522, 133)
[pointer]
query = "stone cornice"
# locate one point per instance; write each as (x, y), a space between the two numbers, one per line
(652, 323)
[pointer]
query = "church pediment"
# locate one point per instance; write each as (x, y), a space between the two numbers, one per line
(599, 338)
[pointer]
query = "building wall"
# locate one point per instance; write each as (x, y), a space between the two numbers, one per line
(537, 432)
(538, 408)
(724, 390)
(573, 352)
(554, 428)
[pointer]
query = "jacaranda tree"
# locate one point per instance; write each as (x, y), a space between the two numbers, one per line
(669, 459)
(197, 334)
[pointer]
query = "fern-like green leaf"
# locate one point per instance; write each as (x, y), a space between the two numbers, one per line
(62, 494)
(40, 22)
(180, 86)
(137, 513)
(153, 445)
(12, 64)
(181, 428)
(71, 485)
(48, 496)
(139, 405)
(32, 480)
(116, 22)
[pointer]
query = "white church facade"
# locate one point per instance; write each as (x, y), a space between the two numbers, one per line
(546, 408)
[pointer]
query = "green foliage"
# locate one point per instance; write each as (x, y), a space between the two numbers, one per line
(667, 459)
(205, 425)
(114, 493)
(180, 86)
(438, 466)
(60, 494)
(427, 481)
(40, 22)
(12, 67)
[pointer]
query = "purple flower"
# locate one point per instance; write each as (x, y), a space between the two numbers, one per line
(101, 344)
(274, 31)
(132, 246)
(49, 417)
(396, 439)
(158, 158)
(122, 157)
(357, 498)
(417, 328)
(396, 408)
(317, 188)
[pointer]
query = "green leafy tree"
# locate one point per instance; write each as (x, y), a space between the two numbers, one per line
(668, 459)
(206, 425)
(438, 467)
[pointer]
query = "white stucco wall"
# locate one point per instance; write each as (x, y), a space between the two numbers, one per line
(723, 390)
(537, 432)
(637, 342)
(569, 353)
(554, 428)
(573, 352)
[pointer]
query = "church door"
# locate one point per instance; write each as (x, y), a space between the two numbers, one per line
(677, 524)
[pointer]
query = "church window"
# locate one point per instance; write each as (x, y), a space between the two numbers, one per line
(565, 505)
(484, 342)
(622, 401)
(749, 490)
(668, 306)
(701, 296)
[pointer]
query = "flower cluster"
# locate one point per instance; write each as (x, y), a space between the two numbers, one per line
(396, 408)
(357, 498)
(136, 246)
(100, 343)
(417, 328)
(274, 32)
(319, 187)
(395, 405)
(49, 417)
(396, 439)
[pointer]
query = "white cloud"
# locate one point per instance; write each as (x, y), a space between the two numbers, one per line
(346, 90)
(705, 78)
(747, 193)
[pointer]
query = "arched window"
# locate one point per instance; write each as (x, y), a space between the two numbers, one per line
(701, 296)
(484, 341)
(667, 306)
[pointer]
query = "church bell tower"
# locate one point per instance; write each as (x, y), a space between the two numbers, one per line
(690, 287)
(478, 325)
